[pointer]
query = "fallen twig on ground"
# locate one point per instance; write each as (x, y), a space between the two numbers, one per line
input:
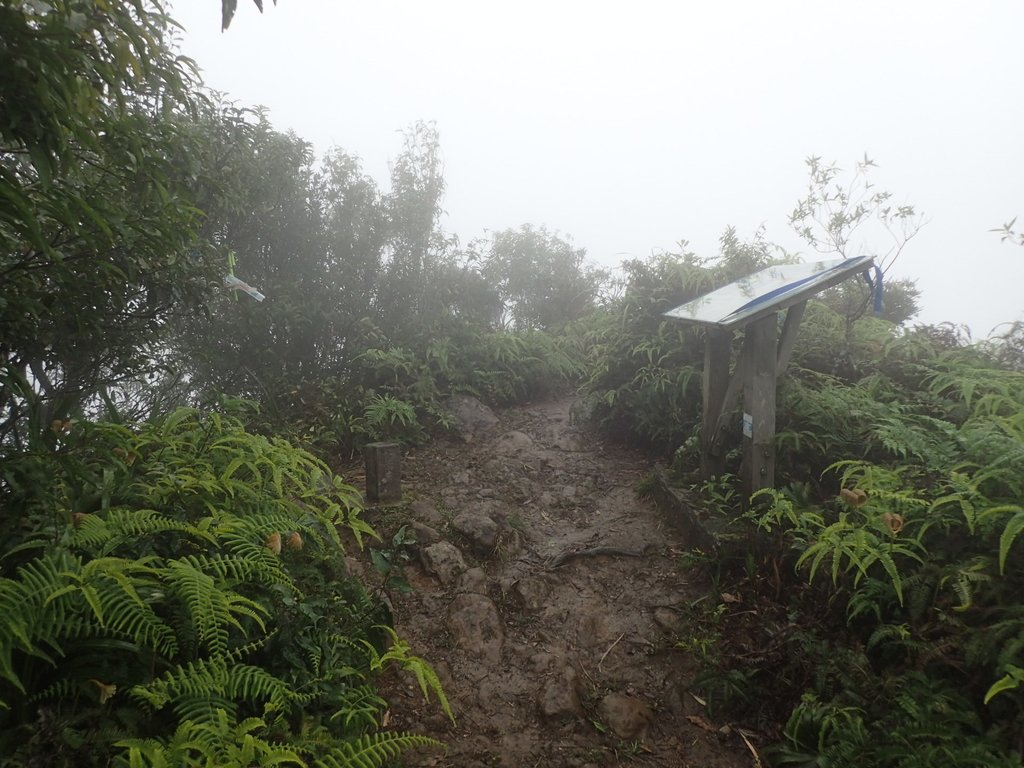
(565, 557)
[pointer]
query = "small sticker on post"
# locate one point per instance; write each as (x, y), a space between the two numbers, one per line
(748, 425)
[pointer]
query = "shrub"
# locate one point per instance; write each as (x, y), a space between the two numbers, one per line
(175, 593)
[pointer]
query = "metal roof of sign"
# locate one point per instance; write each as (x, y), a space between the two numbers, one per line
(770, 290)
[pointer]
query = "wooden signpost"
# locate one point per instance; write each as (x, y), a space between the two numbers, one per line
(753, 305)
(383, 472)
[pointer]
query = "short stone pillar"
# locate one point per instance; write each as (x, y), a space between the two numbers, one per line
(383, 472)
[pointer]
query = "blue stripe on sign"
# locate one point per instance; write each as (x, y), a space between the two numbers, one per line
(779, 291)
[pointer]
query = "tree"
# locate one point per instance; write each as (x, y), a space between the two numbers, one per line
(416, 244)
(228, 8)
(270, 217)
(98, 231)
(1008, 232)
(541, 277)
(343, 265)
(850, 217)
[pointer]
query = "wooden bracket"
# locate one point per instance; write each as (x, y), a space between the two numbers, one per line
(761, 351)
(765, 356)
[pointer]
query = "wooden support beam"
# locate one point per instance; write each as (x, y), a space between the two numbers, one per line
(790, 328)
(717, 353)
(761, 353)
(729, 403)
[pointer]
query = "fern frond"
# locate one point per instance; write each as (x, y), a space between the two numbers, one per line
(117, 587)
(218, 740)
(374, 750)
(886, 634)
(197, 690)
(400, 653)
(1010, 533)
(358, 707)
(101, 533)
(212, 608)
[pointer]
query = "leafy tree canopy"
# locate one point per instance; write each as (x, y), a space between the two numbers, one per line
(541, 277)
(98, 227)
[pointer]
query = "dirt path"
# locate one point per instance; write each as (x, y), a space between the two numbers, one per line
(546, 597)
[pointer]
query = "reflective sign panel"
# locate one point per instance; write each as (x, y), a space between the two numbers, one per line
(769, 290)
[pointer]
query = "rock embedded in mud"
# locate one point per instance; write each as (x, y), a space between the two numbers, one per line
(444, 561)
(592, 627)
(425, 534)
(668, 620)
(559, 697)
(514, 746)
(425, 511)
(470, 416)
(476, 626)
(495, 509)
(481, 530)
(512, 443)
(531, 593)
(541, 662)
(628, 717)
(473, 580)
(568, 443)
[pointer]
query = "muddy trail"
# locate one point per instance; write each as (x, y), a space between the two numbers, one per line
(548, 598)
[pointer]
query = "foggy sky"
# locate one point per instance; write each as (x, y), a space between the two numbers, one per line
(631, 126)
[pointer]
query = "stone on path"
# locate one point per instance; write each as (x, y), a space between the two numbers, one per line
(471, 417)
(443, 560)
(669, 620)
(476, 626)
(511, 443)
(473, 580)
(481, 530)
(426, 512)
(425, 534)
(628, 717)
(559, 698)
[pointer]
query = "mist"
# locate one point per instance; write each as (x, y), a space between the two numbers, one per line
(632, 130)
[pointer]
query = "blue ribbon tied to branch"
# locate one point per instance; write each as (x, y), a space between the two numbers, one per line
(873, 277)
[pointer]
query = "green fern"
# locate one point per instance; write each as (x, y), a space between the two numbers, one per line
(197, 691)
(373, 751)
(399, 652)
(103, 532)
(358, 708)
(212, 608)
(1010, 532)
(219, 740)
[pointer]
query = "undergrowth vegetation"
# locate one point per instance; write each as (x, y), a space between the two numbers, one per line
(872, 603)
(399, 393)
(910, 541)
(175, 593)
(869, 610)
(173, 586)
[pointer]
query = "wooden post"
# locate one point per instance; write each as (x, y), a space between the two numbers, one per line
(761, 355)
(789, 331)
(383, 472)
(717, 351)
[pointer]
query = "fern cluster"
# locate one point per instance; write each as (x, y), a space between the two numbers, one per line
(397, 393)
(902, 515)
(644, 370)
(175, 594)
